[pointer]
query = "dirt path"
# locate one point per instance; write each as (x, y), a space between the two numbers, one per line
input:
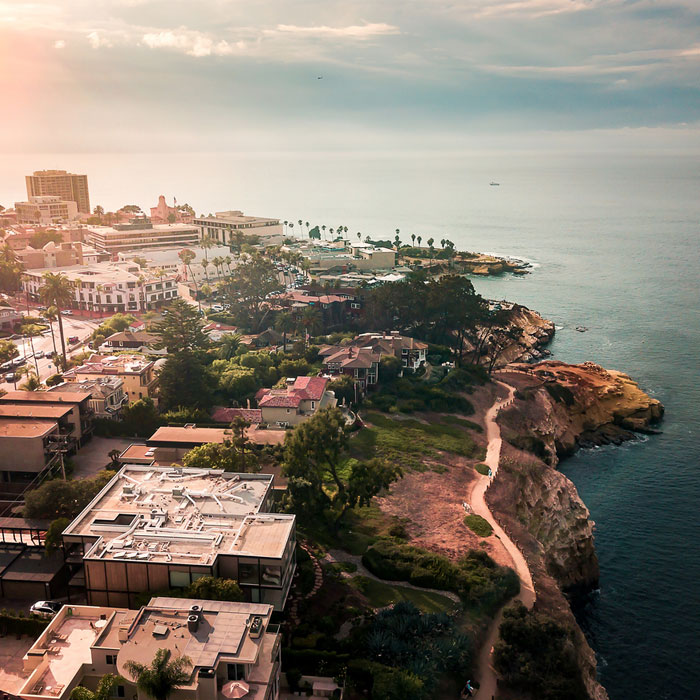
(487, 675)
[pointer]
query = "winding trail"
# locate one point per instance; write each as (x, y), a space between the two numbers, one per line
(487, 674)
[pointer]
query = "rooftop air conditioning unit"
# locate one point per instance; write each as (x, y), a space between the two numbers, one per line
(256, 627)
(192, 623)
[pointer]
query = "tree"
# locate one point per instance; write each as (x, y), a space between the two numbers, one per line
(206, 243)
(57, 291)
(185, 381)
(98, 210)
(172, 218)
(180, 329)
(8, 351)
(248, 288)
(141, 418)
(284, 323)
(51, 315)
(344, 388)
(10, 270)
(187, 256)
(233, 455)
(114, 456)
(366, 480)
(214, 588)
(389, 368)
(162, 677)
(103, 691)
(54, 535)
(419, 239)
(63, 499)
(228, 346)
(310, 321)
(413, 238)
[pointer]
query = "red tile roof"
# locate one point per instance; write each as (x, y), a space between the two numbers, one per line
(222, 414)
(303, 389)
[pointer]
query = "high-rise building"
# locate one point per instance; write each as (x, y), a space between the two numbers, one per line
(59, 183)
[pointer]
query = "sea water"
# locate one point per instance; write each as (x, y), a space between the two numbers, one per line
(615, 244)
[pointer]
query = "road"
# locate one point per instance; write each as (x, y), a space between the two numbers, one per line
(487, 674)
(72, 326)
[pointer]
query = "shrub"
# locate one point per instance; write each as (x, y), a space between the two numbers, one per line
(478, 525)
(482, 468)
(12, 622)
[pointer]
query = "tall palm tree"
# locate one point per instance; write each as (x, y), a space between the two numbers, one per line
(419, 239)
(307, 229)
(187, 256)
(283, 324)
(413, 238)
(207, 242)
(229, 345)
(227, 261)
(50, 316)
(57, 291)
(31, 330)
(162, 677)
(323, 228)
(103, 691)
(359, 235)
(291, 226)
(285, 226)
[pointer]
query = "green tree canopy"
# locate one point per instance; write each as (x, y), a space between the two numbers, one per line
(184, 380)
(102, 692)
(181, 328)
(63, 499)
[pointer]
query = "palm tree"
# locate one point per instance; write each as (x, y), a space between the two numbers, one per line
(30, 330)
(207, 242)
(345, 229)
(227, 261)
(291, 226)
(285, 226)
(33, 382)
(229, 345)
(162, 677)
(310, 321)
(283, 324)
(323, 228)
(50, 316)
(419, 239)
(307, 229)
(57, 291)
(103, 692)
(301, 230)
(359, 235)
(413, 238)
(187, 256)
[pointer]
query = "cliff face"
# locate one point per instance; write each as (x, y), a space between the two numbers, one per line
(561, 407)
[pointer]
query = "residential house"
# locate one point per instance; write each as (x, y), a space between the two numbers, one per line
(300, 399)
(362, 364)
(138, 341)
(234, 649)
(107, 396)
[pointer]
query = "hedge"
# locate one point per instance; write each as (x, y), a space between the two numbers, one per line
(12, 623)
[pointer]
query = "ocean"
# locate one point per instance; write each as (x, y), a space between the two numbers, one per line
(614, 243)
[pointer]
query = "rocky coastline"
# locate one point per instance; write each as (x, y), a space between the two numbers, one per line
(559, 408)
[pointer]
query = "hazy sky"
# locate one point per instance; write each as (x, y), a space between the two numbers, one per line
(216, 75)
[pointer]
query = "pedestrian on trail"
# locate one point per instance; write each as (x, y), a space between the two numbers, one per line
(468, 691)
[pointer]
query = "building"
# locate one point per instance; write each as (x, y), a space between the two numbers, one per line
(140, 341)
(410, 351)
(155, 528)
(296, 402)
(164, 214)
(108, 287)
(344, 256)
(59, 183)
(228, 227)
(137, 374)
(79, 417)
(9, 318)
(142, 235)
(59, 255)
(46, 210)
(362, 364)
(26, 450)
(234, 649)
(107, 396)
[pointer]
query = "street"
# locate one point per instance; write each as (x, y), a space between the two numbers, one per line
(72, 326)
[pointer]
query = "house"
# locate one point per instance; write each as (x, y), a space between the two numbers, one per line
(153, 528)
(410, 351)
(216, 331)
(137, 374)
(362, 364)
(296, 402)
(233, 647)
(139, 341)
(107, 396)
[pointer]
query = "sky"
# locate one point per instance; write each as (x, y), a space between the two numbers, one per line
(212, 76)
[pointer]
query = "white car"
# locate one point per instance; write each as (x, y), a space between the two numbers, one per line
(46, 608)
(39, 354)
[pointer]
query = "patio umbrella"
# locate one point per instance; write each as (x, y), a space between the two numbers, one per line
(235, 689)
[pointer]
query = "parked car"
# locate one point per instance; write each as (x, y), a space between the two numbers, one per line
(46, 608)
(66, 312)
(10, 377)
(73, 339)
(39, 354)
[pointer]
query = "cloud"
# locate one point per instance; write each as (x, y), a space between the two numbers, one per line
(533, 8)
(97, 40)
(354, 31)
(192, 43)
(59, 44)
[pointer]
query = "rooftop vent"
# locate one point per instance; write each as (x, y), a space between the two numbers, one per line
(256, 627)
(192, 623)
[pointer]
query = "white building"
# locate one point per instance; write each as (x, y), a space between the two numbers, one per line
(46, 210)
(224, 226)
(142, 236)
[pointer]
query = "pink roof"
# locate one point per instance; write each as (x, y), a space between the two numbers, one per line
(303, 389)
(313, 387)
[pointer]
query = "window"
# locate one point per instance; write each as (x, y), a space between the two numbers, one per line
(179, 579)
(313, 404)
(235, 672)
(120, 693)
(111, 659)
(248, 573)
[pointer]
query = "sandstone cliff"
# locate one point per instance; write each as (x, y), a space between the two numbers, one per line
(562, 407)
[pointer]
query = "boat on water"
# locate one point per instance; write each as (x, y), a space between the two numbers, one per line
(495, 184)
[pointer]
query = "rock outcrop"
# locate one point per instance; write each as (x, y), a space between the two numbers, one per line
(562, 407)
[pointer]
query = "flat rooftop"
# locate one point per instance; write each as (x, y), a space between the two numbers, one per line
(169, 433)
(25, 410)
(45, 396)
(171, 514)
(22, 428)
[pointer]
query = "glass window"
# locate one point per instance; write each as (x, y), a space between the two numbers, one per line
(247, 573)
(235, 672)
(179, 579)
(272, 575)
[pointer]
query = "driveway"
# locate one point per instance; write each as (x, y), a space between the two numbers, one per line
(94, 455)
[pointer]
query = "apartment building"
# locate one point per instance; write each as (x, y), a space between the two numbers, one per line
(59, 255)
(26, 449)
(153, 528)
(296, 402)
(234, 649)
(46, 210)
(59, 183)
(107, 395)
(141, 235)
(227, 226)
(108, 287)
(137, 374)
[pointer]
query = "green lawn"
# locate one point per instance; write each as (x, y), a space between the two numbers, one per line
(381, 594)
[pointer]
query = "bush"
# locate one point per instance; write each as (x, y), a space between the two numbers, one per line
(476, 578)
(12, 622)
(482, 468)
(478, 525)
